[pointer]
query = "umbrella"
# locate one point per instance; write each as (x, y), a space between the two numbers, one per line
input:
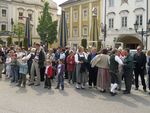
(27, 32)
(63, 30)
(94, 31)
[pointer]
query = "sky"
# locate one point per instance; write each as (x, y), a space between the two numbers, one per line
(59, 2)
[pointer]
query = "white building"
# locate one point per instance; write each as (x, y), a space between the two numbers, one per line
(121, 16)
(15, 9)
(149, 20)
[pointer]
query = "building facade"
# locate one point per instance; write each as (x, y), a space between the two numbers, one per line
(14, 10)
(148, 45)
(121, 16)
(79, 19)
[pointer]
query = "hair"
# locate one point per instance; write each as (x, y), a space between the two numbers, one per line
(104, 51)
(127, 49)
(114, 51)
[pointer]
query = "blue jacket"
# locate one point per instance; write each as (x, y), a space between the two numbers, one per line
(23, 68)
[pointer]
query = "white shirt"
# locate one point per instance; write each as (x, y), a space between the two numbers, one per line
(62, 56)
(81, 55)
(117, 59)
(59, 68)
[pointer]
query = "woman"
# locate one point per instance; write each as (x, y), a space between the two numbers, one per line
(103, 78)
(148, 54)
(81, 71)
(70, 65)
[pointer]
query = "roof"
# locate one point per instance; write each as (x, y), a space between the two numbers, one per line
(68, 2)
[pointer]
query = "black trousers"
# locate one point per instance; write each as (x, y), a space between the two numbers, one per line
(42, 71)
(128, 76)
(114, 77)
(92, 76)
(47, 82)
(140, 72)
(149, 81)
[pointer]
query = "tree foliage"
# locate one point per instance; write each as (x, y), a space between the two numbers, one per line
(84, 43)
(47, 29)
(19, 31)
(9, 41)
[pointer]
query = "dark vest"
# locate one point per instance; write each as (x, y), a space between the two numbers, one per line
(113, 64)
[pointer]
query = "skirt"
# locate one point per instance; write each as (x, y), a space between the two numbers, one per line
(103, 79)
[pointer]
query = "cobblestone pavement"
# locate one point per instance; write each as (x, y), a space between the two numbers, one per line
(39, 100)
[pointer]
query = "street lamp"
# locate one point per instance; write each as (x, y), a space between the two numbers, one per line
(136, 26)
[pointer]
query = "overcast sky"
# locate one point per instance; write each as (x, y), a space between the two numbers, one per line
(59, 2)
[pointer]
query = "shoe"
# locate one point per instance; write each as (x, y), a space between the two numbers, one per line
(102, 91)
(82, 87)
(77, 86)
(136, 89)
(19, 85)
(49, 87)
(90, 87)
(149, 93)
(30, 84)
(37, 85)
(57, 87)
(45, 86)
(126, 92)
(145, 90)
(113, 94)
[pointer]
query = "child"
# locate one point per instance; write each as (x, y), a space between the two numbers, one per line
(14, 68)
(60, 74)
(48, 74)
(23, 70)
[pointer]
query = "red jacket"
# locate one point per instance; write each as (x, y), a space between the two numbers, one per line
(50, 72)
(70, 63)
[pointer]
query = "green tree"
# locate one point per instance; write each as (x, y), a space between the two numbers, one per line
(19, 31)
(9, 41)
(84, 43)
(47, 29)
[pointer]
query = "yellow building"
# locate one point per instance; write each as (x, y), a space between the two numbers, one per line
(79, 19)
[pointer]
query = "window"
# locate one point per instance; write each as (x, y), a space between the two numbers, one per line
(75, 16)
(111, 23)
(20, 15)
(124, 21)
(30, 16)
(3, 27)
(67, 17)
(85, 30)
(75, 32)
(139, 0)
(139, 19)
(3, 12)
(111, 3)
(85, 14)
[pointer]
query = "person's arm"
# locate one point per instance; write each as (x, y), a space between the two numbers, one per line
(76, 59)
(149, 62)
(117, 59)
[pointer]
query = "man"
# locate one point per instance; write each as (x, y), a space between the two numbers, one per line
(140, 64)
(38, 63)
(115, 62)
(2, 58)
(128, 71)
(92, 70)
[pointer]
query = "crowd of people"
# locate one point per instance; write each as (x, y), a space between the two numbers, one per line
(103, 70)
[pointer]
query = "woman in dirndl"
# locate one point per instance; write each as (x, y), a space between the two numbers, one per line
(103, 77)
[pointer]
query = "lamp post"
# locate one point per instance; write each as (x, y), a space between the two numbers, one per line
(142, 32)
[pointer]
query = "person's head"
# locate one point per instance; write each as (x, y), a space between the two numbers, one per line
(18, 49)
(50, 51)
(61, 61)
(48, 62)
(80, 49)
(71, 52)
(139, 49)
(126, 51)
(115, 51)
(93, 50)
(104, 51)
(148, 53)
(33, 50)
(37, 46)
